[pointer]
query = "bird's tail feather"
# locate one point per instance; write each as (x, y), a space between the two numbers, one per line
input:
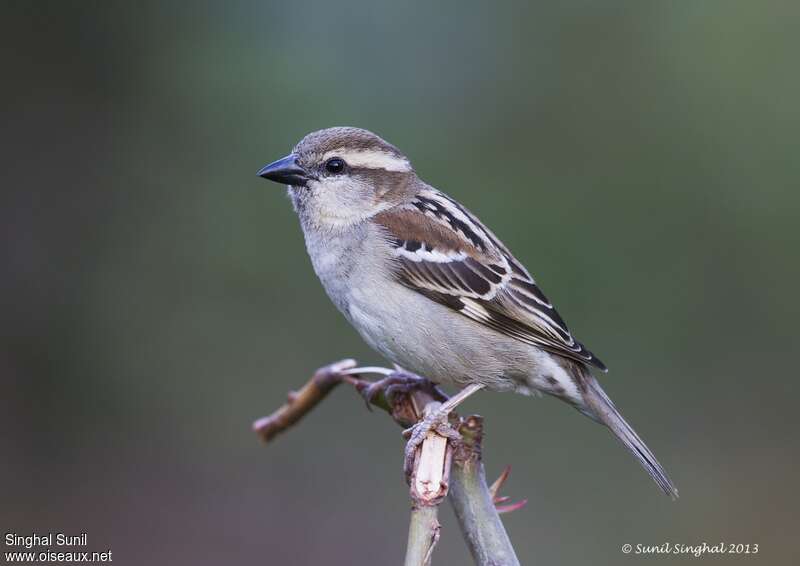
(603, 410)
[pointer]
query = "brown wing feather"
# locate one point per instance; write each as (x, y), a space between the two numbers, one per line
(443, 252)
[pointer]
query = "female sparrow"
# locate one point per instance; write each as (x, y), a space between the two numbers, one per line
(428, 286)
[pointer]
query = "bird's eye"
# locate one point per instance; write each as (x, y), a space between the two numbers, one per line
(334, 165)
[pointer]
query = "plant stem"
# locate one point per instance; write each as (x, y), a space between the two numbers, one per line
(469, 494)
(423, 533)
(461, 469)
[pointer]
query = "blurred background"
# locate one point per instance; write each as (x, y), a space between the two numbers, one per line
(157, 297)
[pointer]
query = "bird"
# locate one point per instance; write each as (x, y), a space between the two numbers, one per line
(430, 287)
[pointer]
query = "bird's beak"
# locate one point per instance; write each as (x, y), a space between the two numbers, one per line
(285, 171)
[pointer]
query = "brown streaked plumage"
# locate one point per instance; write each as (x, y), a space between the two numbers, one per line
(501, 297)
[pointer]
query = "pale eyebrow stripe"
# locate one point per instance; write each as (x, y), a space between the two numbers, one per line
(370, 159)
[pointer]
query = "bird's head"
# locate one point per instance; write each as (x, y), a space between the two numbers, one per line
(340, 176)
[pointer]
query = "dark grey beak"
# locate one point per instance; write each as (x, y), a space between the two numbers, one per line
(285, 171)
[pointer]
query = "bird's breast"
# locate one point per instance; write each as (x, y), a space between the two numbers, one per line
(347, 263)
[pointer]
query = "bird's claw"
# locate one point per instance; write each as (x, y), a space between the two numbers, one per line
(399, 383)
(438, 422)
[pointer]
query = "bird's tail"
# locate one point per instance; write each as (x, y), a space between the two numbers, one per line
(602, 409)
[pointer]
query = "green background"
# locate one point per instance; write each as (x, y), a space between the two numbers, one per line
(639, 157)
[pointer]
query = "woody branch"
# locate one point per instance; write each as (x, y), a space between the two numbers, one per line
(441, 467)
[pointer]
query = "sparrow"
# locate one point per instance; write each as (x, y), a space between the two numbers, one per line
(431, 288)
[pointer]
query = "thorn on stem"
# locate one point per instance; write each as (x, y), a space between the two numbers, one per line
(497, 499)
(498, 483)
(513, 507)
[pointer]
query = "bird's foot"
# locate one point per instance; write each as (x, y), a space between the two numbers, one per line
(438, 422)
(398, 383)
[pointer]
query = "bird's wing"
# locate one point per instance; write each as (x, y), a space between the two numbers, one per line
(443, 252)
